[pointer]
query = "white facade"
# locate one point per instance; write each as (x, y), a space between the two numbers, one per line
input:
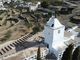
(54, 36)
(2, 6)
(5, 1)
(8, 1)
(34, 7)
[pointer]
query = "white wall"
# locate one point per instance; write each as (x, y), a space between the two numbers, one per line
(54, 35)
(58, 35)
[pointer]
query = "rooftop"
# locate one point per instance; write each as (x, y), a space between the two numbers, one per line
(54, 23)
(67, 34)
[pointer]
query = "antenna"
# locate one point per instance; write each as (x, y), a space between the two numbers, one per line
(55, 14)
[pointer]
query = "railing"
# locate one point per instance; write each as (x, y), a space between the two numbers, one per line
(25, 37)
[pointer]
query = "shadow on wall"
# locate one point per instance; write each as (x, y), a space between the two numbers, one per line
(24, 44)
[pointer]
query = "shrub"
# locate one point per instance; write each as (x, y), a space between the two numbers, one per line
(57, 2)
(44, 4)
(38, 54)
(76, 54)
(67, 55)
(36, 29)
(7, 35)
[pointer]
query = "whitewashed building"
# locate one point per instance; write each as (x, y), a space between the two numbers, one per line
(56, 38)
(2, 6)
(34, 7)
(29, 5)
(8, 1)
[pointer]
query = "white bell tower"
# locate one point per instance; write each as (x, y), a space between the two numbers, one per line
(53, 33)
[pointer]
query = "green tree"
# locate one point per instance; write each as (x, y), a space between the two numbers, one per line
(36, 29)
(38, 54)
(44, 4)
(57, 2)
(11, 4)
(67, 55)
(76, 54)
(7, 36)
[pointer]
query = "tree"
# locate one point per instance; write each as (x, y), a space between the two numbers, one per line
(11, 4)
(44, 4)
(36, 29)
(7, 36)
(57, 2)
(67, 55)
(76, 54)
(38, 54)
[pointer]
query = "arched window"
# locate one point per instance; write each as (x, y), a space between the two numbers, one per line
(52, 25)
(47, 45)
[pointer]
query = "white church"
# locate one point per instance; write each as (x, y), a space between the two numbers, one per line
(57, 38)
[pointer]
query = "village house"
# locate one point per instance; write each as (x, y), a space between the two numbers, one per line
(29, 6)
(2, 6)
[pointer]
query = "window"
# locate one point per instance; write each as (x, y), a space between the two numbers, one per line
(52, 25)
(58, 31)
(47, 45)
